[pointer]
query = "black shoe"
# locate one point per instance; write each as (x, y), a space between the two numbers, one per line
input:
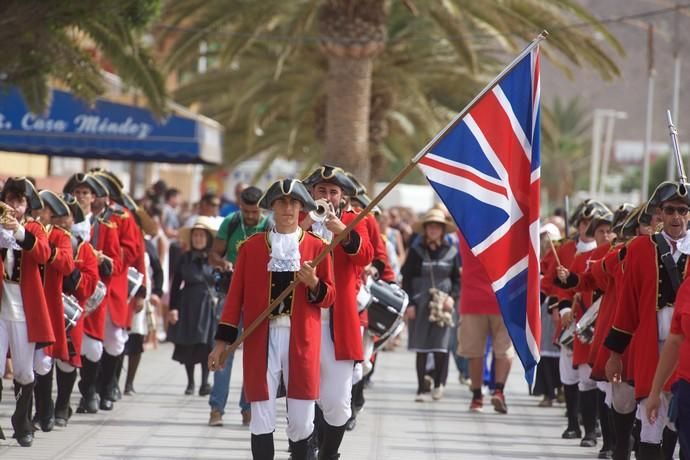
(48, 424)
(590, 440)
(88, 406)
(116, 393)
(190, 389)
(21, 422)
(25, 440)
(570, 433)
(129, 390)
(105, 404)
(204, 389)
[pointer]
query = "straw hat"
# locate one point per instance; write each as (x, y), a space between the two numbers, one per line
(203, 222)
(437, 216)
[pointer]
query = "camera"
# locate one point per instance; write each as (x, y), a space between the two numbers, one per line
(222, 281)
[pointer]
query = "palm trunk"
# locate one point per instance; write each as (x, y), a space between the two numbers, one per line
(347, 115)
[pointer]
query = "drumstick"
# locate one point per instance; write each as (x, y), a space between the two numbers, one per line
(553, 248)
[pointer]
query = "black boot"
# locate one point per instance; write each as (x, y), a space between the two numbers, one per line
(668, 443)
(2, 434)
(607, 432)
(319, 428)
(23, 431)
(45, 409)
(262, 446)
(65, 385)
(332, 437)
(588, 406)
(622, 426)
(572, 404)
(88, 404)
(107, 374)
(649, 451)
(301, 450)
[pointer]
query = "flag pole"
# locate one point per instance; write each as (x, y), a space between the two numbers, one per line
(337, 239)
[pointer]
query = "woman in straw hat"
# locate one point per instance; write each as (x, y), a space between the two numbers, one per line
(431, 277)
(192, 303)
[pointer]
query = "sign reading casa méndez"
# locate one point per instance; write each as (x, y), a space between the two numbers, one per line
(72, 127)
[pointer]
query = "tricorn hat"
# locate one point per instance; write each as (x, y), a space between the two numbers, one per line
(55, 203)
(87, 180)
(632, 222)
(668, 191)
(434, 215)
(287, 187)
(620, 215)
(360, 191)
(331, 175)
(586, 210)
(111, 183)
(22, 186)
(75, 209)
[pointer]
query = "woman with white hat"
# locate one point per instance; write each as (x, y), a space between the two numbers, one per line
(192, 303)
(431, 277)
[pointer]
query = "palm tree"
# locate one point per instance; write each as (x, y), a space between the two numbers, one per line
(389, 74)
(564, 147)
(43, 44)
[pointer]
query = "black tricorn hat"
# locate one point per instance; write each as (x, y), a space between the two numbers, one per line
(632, 222)
(599, 217)
(620, 215)
(110, 174)
(111, 183)
(22, 186)
(87, 180)
(287, 187)
(331, 175)
(74, 207)
(668, 191)
(586, 210)
(360, 191)
(55, 203)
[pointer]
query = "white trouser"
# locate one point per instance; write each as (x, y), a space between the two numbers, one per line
(42, 362)
(358, 372)
(92, 349)
(300, 412)
(114, 338)
(585, 382)
(605, 387)
(569, 376)
(368, 341)
(15, 338)
(623, 398)
(653, 433)
(65, 367)
(336, 382)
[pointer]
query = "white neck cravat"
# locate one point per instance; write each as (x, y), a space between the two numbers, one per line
(285, 255)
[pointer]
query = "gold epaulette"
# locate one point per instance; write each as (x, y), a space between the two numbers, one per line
(107, 223)
(319, 237)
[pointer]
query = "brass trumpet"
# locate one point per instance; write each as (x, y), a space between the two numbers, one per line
(320, 214)
(6, 212)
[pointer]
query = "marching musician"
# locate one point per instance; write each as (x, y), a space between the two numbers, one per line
(80, 283)
(24, 318)
(93, 199)
(342, 347)
(285, 346)
(645, 308)
(119, 317)
(59, 265)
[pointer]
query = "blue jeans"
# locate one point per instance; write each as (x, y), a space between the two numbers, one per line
(221, 388)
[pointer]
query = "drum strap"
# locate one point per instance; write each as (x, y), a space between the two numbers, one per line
(667, 260)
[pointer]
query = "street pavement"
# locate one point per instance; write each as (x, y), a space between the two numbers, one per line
(160, 422)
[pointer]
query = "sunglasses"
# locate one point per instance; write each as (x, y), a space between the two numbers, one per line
(670, 210)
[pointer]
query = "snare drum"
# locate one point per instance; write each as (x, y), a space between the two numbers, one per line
(134, 282)
(386, 309)
(96, 298)
(584, 328)
(364, 295)
(72, 311)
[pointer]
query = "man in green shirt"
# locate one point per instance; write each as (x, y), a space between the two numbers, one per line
(236, 228)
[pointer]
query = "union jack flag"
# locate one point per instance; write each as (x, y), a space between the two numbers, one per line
(485, 168)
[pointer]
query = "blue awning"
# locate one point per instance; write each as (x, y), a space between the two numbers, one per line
(108, 130)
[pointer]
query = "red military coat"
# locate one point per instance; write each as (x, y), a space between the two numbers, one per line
(60, 264)
(566, 254)
(248, 297)
(35, 252)
(132, 247)
(140, 265)
(347, 335)
(581, 265)
(109, 244)
(87, 263)
(637, 310)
